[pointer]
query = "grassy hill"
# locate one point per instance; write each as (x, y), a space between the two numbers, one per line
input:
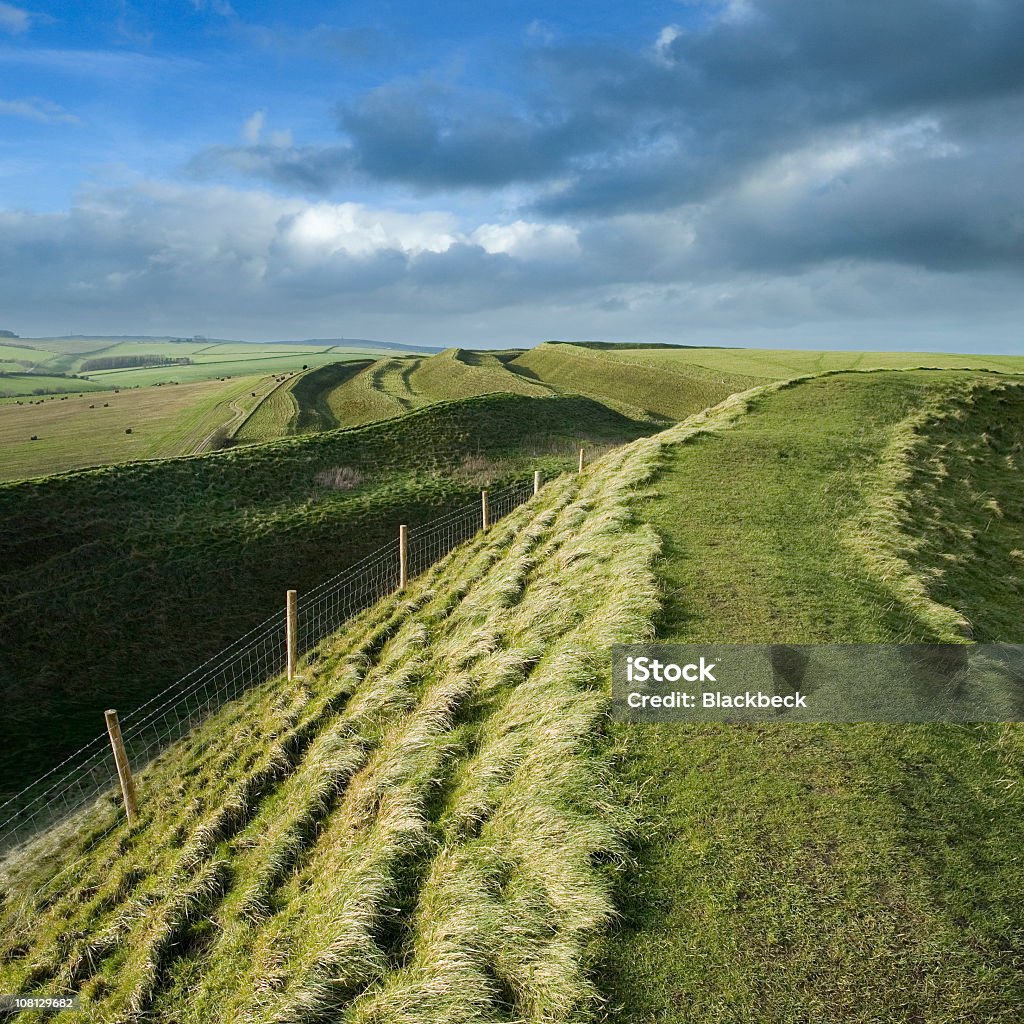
(321, 385)
(117, 581)
(783, 364)
(661, 393)
(412, 831)
(395, 385)
(391, 387)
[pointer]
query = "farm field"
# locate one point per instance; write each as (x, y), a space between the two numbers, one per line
(207, 359)
(120, 580)
(16, 385)
(438, 823)
(77, 432)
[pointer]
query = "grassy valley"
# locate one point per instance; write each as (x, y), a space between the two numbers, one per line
(120, 580)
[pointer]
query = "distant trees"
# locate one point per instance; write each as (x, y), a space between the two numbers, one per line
(123, 362)
(8, 334)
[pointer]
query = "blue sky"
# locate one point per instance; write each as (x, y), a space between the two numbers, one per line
(766, 172)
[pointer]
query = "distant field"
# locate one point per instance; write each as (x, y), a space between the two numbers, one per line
(74, 432)
(47, 357)
(26, 385)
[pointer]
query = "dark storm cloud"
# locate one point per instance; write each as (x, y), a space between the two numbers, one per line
(645, 129)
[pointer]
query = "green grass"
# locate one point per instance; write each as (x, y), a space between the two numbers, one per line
(312, 393)
(437, 823)
(657, 392)
(15, 384)
(394, 386)
(273, 417)
(209, 359)
(411, 831)
(120, 580)
(460, 373)
(782, 364)
(817, 872)
(78, 432)
(18, 353)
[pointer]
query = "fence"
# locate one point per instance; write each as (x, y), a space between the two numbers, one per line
(259, 655)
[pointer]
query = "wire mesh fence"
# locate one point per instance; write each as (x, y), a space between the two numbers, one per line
(259, 655)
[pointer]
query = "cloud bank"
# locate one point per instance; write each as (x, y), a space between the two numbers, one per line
(757, 170)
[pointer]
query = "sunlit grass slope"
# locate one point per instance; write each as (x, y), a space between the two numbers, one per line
(855, 873)
(118, 581)
(659, 391)
(782, 364)
(391, 387)
(411, 831)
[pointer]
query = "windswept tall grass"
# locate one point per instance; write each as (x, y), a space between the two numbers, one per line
(413, 830)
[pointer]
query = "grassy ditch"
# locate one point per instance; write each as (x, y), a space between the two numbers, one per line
(118, 581)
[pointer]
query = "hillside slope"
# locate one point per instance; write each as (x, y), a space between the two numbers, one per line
(118, 581)
(656, 392)
(410, 831)
(391, 387)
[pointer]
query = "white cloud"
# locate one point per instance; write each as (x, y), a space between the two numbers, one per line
(528, 241)
(253, 128)
(829, 160)
(43, 111)
(662, 46)
(14, 19)
(327, 229)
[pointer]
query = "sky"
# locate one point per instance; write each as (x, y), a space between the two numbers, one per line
(838, 173)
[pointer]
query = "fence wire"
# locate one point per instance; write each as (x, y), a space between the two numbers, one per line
(259, 655)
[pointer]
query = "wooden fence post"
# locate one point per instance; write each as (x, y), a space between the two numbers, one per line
(291, 605)
(483, 510)
(580, 470)
(124, 772)
(403, 556)
(536, 481)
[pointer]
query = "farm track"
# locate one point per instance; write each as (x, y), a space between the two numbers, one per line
(412, 825)
(234, 429)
